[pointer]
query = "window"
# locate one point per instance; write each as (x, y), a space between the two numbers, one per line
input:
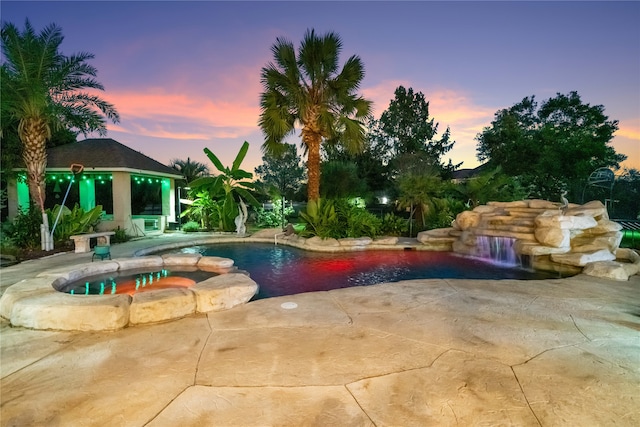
(146, 195)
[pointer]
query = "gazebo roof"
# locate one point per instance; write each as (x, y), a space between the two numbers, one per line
(105, 154)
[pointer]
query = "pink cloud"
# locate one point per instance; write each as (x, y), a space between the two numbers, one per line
(628, 131)
(161, 105)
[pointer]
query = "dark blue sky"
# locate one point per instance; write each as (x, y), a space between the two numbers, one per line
(185, 75)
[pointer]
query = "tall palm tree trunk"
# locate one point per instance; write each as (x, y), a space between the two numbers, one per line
(33, 134)
(312, 140)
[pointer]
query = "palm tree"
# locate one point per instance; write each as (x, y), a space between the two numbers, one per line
(189, 169)
(42, 90)
(418, 189)
(308, 90)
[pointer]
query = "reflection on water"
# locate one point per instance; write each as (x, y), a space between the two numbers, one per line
(284, 270)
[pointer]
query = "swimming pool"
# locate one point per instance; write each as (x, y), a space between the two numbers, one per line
(284, 270)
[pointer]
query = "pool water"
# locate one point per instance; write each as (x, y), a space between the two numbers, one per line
(284, 270)
(136, 281)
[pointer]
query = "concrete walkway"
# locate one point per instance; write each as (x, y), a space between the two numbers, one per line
(414, 353)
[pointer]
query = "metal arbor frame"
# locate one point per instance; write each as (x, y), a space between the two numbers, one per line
(601, 178)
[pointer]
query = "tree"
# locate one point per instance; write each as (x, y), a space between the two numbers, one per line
(551, 148)
(626, 195)
(308, 89)
(189, 169)
(418, 189)
(283, 172)
(340, 180)
(372, 162)
(42, 90)
(407, 124)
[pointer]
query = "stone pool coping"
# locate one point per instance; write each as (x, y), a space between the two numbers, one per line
(37, 304)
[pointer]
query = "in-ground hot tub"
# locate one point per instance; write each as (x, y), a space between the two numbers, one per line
(132, 282)
(38, 303)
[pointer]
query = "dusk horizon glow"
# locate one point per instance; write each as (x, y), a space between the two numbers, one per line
(186, 75)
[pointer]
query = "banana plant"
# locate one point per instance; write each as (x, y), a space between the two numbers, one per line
(229, 186)
(73, 221)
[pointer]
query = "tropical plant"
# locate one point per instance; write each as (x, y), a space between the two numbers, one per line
(339, 218)
(320, 219)
(73, 221)
(417, 191)
(204, 210)
(232, 186)
(41, 90)
(309, 90)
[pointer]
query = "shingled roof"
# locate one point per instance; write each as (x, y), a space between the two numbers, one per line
(104, 154)
(464, 174)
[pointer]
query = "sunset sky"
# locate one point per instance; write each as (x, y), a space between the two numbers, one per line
(186, 75)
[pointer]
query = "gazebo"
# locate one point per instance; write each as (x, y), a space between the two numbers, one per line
(137, 193)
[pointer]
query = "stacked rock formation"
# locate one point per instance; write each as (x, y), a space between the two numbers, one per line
(578, 238)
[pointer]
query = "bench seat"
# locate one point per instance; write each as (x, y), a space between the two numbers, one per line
(82, 242)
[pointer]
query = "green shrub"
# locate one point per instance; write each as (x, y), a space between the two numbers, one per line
(120, 236)
(393, 225)
(190, 227)
(24, 232)
(273, 218)
(361, 223)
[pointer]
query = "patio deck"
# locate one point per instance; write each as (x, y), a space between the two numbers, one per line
(414, 353)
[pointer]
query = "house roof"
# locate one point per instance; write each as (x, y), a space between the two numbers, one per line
(105, 154)
(462, 174)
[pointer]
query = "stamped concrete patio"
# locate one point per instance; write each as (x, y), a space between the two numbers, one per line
(414, 353)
